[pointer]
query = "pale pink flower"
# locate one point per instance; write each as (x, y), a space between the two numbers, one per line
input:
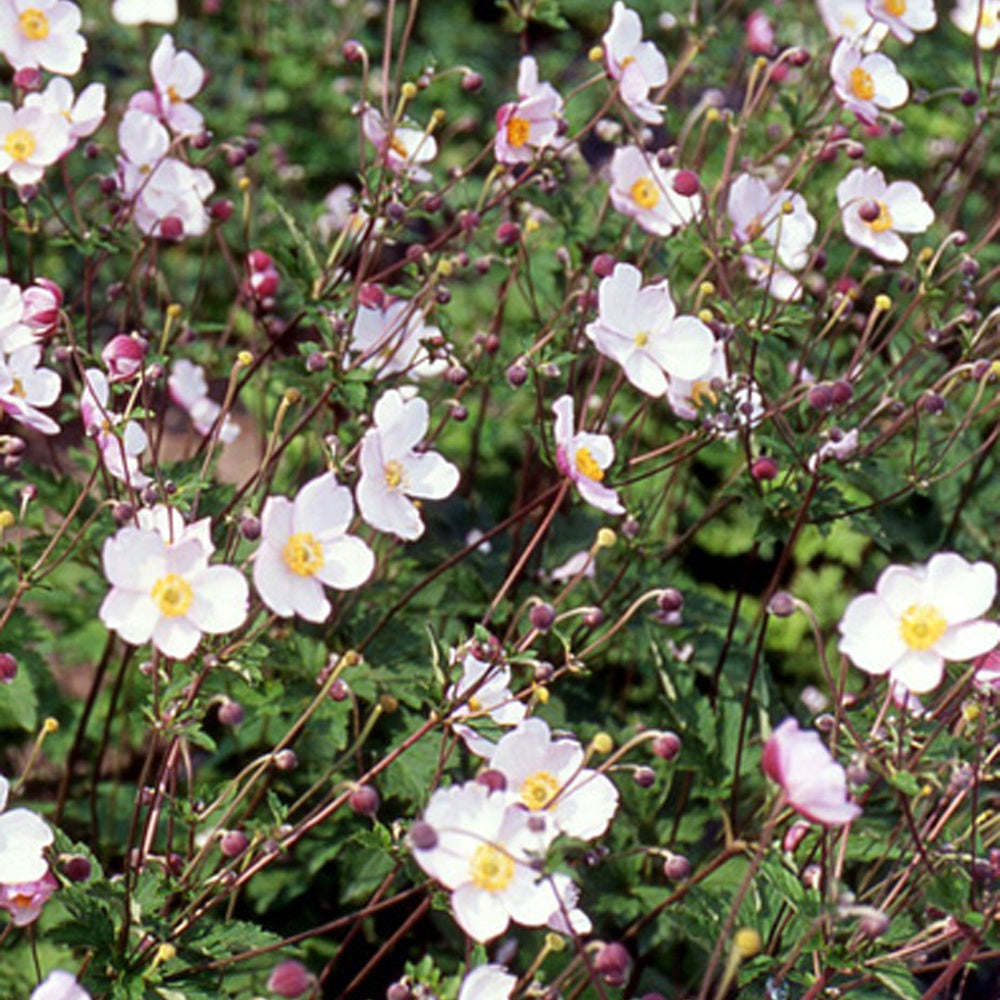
(642, 189)
(31, 139)
(402, 148)
(23, 839)
(638, 327)
(341, 211)
(42, 308)
(169, 524)
(290, 979)
(390, 340)
(177, 78)
(305, 547)
(24, 901)
(781, 218)
(638, 66)
(488, 982)
(584, 457)
(687, 396)
(546, 776)
(188, 388)
(120, 442)
(83, 112)
(59, 985)
(919, 617)
(132, 12)
(168, 593)
(42, 33)
(26, 389)
(484, 690)
(532, 122)
(980, 18)
(779, 283)
(850, 19)
(841, 448)
(14, 333)
(481, 851)
(392, 470)
(903, 17)
(895, 208)
(866, 83)
(579, 564)
(124, 355)
(759, 34)
(987, 675)
(569, 919)
(813, 782)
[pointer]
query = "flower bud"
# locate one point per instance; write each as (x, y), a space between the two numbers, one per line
(286, 760)
(423, 837)
(759, 37)
(676, 867)
(782, 605)
(932, 403)
(841, 392)
(794, 835)
(231, 713)
(508, 233)
(686, 183)
(517, 375)
(670, 600)
(667, 745)
(612, 962)
(172, 228)
(76, 868)
(42, 302)
(124, 355)
(645, 777)
(364, 801)
(290, 979)
(8, 668)
(221, 210)
(492, 780)
(820, 397)
(873, 924)
(233, 843)
(542, 616)
(351, 50)
(764, 469)
(28, 78)
(399, 991)
(603, 265)
(472, 82)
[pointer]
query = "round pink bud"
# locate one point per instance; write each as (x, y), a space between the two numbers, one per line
(233, 843)
(604, 265)
(259, 260)
(764, 469)
(869, 211)
(172, 228)
(495, 781)
(517, 375)
(472, 82)
(798, 57)
(759, 34)
(645, 777)
(508, 233)
(613, 962)
(676, 867)
(542, 616)
(28, 78)
(231, 713)
(364, 801)
(124, 356)
(667, 746)
(221, 210)
(8, 668)
(841, 392)
(686, 183)
(593, 617)
(399, 991)
(339, 690)
(873, 924)
(286, 760)
(423, 836)
(371, 296)
(670, 600)
(264, 284)
(820, 397)
(782, 605)
(250, 527)
(290, 979)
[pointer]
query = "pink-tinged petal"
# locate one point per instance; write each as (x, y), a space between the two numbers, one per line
(347, 563)
(132, 614)
(563, 427)
(276, 520)
(134, 558)
(869, 635)
(963, 642)
(273, 580)
(479, 913)
(323, 507)
(602, 497)
(176, 637)
(900, 587)
(430, 476)
(961, 590)
(388, 510)
(920, 670)
(586, 809)
(220, 599)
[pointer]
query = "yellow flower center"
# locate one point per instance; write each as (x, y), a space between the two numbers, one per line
(897, 8)
(645, 193)
(398, 148)
(539, 790)
(491, 869)
(988, 18)
(587, 465)
(862, 84)
(394, 474)
(17, 388)
(173, 595)
(19, 144)
(518, 131)
(303, 555)
(884, 220)
(641, 339)
(175, 98)
(34, 24)
(702, 390)
(921, 626)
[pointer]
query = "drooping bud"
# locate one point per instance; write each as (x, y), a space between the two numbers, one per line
(667, 745)
(233, 843)
(423, 837)
(290, 979)
(365, 801)
(613, 962)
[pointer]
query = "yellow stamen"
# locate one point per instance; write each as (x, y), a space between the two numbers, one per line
(492, 869)
(175, 98)
(862, 84)
(173, 595)
(897, 8)
(539, 790)
(645, 193)
(884, 220)
(394, 474)
(641, 339)
(702, 390)
(587, 465)
(19, 144)
(303, 555)
(34, 24)
(17, 389)
(518, 131)
(921, 626)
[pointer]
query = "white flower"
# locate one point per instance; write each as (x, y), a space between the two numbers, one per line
(849, 19)
(84, 112)
(168, 593)
(532, 122)
(779, 283)
(484, 690)
(686, 396)
(488, 982)
(638, 66)
(120, 450)
(391, 339)
(781, 218)
(31, 139)
(340, 211)
(894, 208)
(189, 390)
(392, 470)
(919, 617)
(59, 985)
(23, 839)
(547, 777)
(841, 448)
(402, 148)
(980, 18)
(866, 83)
(144, 11)
(43, 33)
(177, 77)
(481, 852)
(642, 189)
(639, 329)
(169, 524)
(904, 17)
(305, 547)
(584, 457)
(24, 387)
(14, 332)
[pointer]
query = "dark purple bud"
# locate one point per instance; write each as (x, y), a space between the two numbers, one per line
(8, 668)
(472, 82)
(542, 616)
(820, 397)
(782, 605)
(459, 414)
(76, 868)
(236, 156)
(508, 233)
(339, 690)
(434, 203)
(364, 801)
(491, 344)
(932, 402)
(351, 50)
(517, 375)
(543, 672)
(316, 362)
(613, 963)
(231, 713)
(667, 745)
(764, 469)
(603, 265)
(841, 392)
(415, 252)
(670, 600)
(250, 527)
(645, 777)
(686, 183)
(676, 867)
(456, 375)
(423, 836)
(798, 57)
(469, 221)
(969, 97)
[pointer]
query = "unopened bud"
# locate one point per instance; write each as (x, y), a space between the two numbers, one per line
(782, 604)
(542, 616)
(667, 745)
(233, 843)
(8, 668)
(676, 867)
(290, 979)
(603, 265)
(612, 962)
(423, 836)
(364, 801)
(747, 942)
(764, 469)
